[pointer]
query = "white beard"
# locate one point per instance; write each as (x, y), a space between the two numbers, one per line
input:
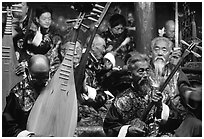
(159, 67)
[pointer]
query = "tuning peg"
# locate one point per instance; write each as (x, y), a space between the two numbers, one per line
(196, 54)
(17, 5)
(91, 15)
(96, 10)
(94, 14)
(15, 10)
(99, 6)
(71, 20)
(93, 19)
(87, 27)
(185, 43)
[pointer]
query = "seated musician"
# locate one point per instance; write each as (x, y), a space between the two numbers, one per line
(115, 35)
(39, 40)
(22, 98)
(169, 32)
(92, 94)
(123, 116)
(178, 94)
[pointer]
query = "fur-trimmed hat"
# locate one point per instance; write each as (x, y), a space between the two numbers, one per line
(110, 57)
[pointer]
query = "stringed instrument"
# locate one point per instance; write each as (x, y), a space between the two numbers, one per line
(55, 110)
(80, 71)
(163, 86)
(9, 60)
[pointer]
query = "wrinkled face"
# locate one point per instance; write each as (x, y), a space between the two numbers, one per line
(98, 48)
(161, 51)
(170, 31)
(141, 70)
(118, 29)
(45, 20)
(140, 76)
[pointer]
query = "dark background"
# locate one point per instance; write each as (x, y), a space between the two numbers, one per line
(163, 12)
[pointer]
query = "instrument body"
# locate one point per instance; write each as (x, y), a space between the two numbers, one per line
(55, 110)
(9, 60)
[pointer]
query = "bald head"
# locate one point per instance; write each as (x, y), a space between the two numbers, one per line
(170, 29)
(38, 64)
(169, 23)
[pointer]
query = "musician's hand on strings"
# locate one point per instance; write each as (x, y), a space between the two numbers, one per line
(157, 96)
(47, 38)
(20, 68)
(137, 127)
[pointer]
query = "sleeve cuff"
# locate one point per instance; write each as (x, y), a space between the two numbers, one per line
(91, 92)
(38, 38)
(25, 133)
(123, 131)
(165, 112)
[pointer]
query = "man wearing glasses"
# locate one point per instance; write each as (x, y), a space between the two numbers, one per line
(115, 36)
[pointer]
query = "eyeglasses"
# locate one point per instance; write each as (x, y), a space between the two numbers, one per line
(117, 28)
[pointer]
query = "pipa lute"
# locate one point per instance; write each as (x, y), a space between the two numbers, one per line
(55, 110)
(9, 60)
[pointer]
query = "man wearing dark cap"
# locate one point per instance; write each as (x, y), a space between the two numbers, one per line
(22, 97)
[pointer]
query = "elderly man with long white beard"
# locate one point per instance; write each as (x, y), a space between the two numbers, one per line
(179, 96)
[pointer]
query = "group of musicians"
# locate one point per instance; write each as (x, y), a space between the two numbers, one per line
(114, 70)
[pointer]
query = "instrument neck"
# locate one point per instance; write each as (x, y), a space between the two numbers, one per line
(8, 29)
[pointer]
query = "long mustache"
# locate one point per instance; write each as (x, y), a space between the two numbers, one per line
(143, 80)
(159, 57)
